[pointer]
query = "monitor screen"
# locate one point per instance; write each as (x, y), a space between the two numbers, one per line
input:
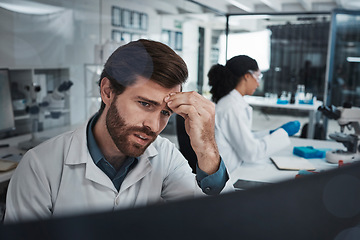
(319, 206)
(7, 121)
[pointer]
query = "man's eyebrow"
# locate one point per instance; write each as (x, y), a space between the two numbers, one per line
(149, 101)
(154, 103)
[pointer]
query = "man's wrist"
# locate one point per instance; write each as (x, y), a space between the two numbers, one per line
(212, 184)
(209, 162)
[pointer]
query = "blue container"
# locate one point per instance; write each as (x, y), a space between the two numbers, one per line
(309, 152)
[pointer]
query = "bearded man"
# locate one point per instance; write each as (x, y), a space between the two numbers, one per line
(117, 159)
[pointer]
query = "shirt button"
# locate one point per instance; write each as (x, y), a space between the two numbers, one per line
(207, 189)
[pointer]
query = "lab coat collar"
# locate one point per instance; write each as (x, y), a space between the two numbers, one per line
(78, 154)
(234, 93)
(141, 169)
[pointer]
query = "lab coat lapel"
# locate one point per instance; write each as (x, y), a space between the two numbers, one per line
(141, 170)
(78, 154)
(93, 173)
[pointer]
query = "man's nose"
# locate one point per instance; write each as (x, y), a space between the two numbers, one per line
(152, 122)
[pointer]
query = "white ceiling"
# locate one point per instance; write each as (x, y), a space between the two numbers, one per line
(217, 6)
(253, 6)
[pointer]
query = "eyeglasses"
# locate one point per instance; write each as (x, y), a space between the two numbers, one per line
(258, 78)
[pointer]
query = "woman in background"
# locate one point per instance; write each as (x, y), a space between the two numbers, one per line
(237, 143)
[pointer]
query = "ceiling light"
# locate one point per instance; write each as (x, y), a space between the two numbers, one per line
(353, 59)
(351, 4)
(28, 7)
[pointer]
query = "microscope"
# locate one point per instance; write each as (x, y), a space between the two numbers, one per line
(53, 103)
(347, 117)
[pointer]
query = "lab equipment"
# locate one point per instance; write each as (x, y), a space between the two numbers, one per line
(53, 102)
(302, 97)
(285, 98)
(349, 117)
(7, 120)
(18, 99)
(300, 94)
(270, 97)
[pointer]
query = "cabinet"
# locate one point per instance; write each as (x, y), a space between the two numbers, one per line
(29, 87)
(92, 91)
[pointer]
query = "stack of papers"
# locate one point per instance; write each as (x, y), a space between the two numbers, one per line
(9, 161)
(292, 163)
(7, 165)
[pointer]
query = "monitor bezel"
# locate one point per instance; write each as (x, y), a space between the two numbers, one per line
(13, 127)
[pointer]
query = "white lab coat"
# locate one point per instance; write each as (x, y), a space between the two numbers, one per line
(59, 177)
(236, 142)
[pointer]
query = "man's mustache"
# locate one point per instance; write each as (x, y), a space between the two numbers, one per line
(145, 130)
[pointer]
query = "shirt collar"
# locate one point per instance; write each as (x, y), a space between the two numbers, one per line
(94, 149)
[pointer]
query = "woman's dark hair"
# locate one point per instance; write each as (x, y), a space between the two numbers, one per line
(149, 59)
(223, 79)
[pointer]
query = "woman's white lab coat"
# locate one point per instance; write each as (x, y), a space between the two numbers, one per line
(61, 178)
(236, 142)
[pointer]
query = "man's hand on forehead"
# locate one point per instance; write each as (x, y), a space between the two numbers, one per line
(199, 115)
(189, 104)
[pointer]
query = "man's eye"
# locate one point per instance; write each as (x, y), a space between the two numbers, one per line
(165, 113)
(145, 104)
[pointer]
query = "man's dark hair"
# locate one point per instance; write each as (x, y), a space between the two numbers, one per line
(145, 58)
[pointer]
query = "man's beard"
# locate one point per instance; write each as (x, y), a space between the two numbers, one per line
(120, 133)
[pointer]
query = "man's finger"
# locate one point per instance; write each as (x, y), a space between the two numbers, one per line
(193, 99)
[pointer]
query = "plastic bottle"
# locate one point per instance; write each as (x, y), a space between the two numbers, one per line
(300, 94)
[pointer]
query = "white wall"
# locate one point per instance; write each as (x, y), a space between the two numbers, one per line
(190, 53)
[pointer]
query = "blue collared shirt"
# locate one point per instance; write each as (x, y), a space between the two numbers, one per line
(117, 177)
(210, 184)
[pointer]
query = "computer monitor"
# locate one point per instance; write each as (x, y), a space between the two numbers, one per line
(7, 121)
(323, 205)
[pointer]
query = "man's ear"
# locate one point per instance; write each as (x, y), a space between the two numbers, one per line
(106, 91)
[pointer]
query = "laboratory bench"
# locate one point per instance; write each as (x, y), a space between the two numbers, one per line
(311, 109)
(9, 149)
(266, 171)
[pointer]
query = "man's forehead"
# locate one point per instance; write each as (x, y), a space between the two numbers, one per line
(143, 81)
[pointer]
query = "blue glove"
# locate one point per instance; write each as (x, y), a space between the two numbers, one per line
(290, 127)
